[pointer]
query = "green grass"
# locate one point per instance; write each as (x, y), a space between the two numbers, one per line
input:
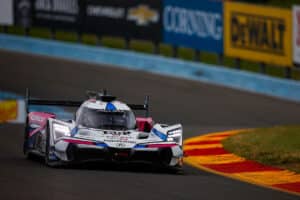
(113, 42)
(141, 46)
(40, 33)
(166, 50)
(296, 75)
(185, 53)
(148, 47)
(16, 30)
(89, 39)
(66, 36)
(277, 146)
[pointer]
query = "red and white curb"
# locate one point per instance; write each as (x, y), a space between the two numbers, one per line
(206, 152)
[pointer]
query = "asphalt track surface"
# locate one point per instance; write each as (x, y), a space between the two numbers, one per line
(201, 108)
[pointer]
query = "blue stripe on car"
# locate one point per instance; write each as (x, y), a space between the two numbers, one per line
(52, 156)
(159, 134)
(101, 145)
(110, 107)
(74, 131)
(140, 146)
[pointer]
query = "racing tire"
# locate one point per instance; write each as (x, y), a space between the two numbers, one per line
(26, 152)
(177, 170)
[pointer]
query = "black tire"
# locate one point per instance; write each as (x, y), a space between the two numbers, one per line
(26, 150)
(49, 162)
(25, 145)
(178, 170)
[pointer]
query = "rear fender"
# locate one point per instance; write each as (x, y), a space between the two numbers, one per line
(37, 121)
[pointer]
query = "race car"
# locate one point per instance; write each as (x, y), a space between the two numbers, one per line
(103, 129)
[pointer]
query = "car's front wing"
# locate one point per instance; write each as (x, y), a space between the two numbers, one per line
(77, 150)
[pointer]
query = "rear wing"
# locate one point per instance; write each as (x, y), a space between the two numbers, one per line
(144, 106)
(29, 101)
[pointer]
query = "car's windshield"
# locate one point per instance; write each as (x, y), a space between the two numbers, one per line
(100, 119)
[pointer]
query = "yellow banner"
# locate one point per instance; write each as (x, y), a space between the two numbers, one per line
(258, 33)
(8, 110)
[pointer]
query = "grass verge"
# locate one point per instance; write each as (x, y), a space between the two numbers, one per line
(276, 146)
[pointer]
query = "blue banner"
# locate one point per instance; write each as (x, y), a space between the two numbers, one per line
(197, 24)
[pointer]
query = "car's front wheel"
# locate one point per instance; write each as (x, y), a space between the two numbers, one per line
(50, 158)
(25, 142)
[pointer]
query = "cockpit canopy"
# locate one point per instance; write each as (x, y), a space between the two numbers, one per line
(103, 119)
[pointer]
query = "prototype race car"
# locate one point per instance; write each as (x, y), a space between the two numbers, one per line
(104, 129)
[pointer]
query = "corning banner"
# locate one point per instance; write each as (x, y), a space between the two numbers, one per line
(6, 12)
(296, 34)
(258, 33)
(196, 24)
(139, 19)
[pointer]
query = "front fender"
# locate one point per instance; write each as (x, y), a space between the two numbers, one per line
(171, 133)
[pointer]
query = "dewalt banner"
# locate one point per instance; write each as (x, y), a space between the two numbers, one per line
(258, 33)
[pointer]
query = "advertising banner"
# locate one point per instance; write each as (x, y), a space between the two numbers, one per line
(195, 24)
(59, 14)
(8, 110)
(296, 34)
(23, 13)
(132, 19)
(6, 12)
(258, 33)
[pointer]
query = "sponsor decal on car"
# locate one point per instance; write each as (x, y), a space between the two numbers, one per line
(37, 118)
(120, 141)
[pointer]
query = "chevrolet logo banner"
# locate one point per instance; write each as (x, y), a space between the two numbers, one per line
(143, 15)
(138, 19)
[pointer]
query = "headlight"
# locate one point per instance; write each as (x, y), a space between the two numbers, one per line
(61, 131)
(175, 132)
(175, 135)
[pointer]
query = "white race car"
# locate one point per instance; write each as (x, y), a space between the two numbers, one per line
(104, 129)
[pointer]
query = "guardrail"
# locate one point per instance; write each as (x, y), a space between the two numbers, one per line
(282, 88)
(206, 26)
